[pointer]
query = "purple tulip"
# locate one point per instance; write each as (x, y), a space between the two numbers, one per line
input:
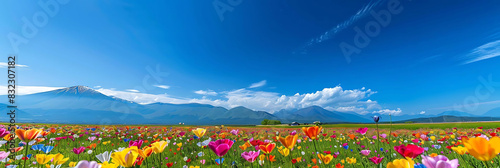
(376, 118)
(87, 164)
(439, 161)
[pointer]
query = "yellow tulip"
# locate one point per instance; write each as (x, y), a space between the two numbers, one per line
(108, 165)
(327, 158)
(179, 145)
(262, 157)
(43, 158)
(459, 149)
(199, 132)
(481, 148)
(72, 164)
(126, 157)
(59, 159)
(433, 138)
(194, 166)
(350, 160)
(401, 163)
(158, 147)
(285, 151)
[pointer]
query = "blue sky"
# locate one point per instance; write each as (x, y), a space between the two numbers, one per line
(430, 57)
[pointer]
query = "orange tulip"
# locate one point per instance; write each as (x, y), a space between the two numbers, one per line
(481, 148)
(267, 148)
(146, 152)
(272, 158)
(29, 135)
(312, 132)
(289, 141)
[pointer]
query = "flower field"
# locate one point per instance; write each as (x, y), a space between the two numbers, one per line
(90, 146)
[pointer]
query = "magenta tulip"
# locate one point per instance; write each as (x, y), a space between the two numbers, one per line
(78, 150)
(376, 160)
(221, 146)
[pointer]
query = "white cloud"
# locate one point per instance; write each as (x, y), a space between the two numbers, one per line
(142, 98)
(97, 87)
(24, 90)
(258, 84)
(485, 51)
(389, 111)
(206, 92)
(162, 86)
(336, 98)
(422, 112)
(5, 65)
(132, 90)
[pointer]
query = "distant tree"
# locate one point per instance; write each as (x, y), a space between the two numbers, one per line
(265, 122)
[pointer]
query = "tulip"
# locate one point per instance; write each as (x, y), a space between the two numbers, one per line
(137, 143)
(126, 157)
(3, 132)
(410, 150)
(376, 118)
(146, 152)
(78, 150)
(104, 157)
(312, 132)
(327, 158)
(365, 152)
(221, 146)
(43, 158)
(285, 151)
(87, 164)
(4, 155)
(289, 141)
(459, 149)
(59, 159)
(376, 160)
(199, 132)
(158, 147)
(401, 163)
(439, 161)
(250, 156)
(481, 148)
(362, 131)
(267, 148)
(27, 136)
(350, 160)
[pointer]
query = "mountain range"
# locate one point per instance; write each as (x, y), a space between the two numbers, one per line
(83, 105)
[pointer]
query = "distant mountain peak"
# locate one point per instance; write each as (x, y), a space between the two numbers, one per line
(77, 90)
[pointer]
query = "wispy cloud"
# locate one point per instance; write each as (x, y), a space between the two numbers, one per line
(206, 92)
(132, 90)
(24, 90)
(5, 65)
(258, 84)
(485, 51)
(389, 111)
(341, 26)
(162, 86)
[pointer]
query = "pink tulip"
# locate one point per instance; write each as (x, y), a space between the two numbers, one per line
(365, 152)
(4, 155)
(137, 143)
(221, 146)
(3, 132)
(383, 135)
(250, 156)
(362, 131)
